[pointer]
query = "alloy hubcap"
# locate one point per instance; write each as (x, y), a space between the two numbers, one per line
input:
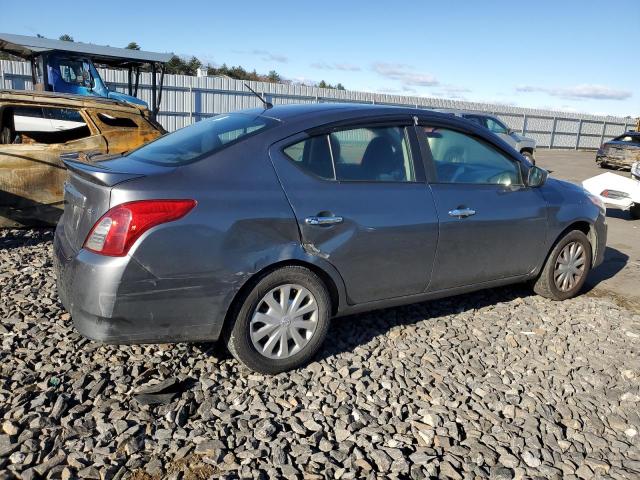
(284, 321)
(570, 266)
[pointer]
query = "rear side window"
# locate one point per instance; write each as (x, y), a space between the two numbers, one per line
(376, 154)
(192, 143)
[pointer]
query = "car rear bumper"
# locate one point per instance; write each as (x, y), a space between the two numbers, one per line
(116, 300)
(618, 162)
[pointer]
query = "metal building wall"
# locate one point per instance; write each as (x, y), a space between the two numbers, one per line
(188, 99)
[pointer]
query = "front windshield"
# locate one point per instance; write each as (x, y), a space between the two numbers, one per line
(200, 139)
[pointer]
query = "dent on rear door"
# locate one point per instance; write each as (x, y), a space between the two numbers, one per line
(385, 245)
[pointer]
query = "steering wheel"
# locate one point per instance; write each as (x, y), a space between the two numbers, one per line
(455, 156)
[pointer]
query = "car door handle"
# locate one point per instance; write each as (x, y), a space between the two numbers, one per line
(332, 220)
(462, 212)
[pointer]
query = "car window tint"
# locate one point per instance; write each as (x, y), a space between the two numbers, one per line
(460, 158)
(313, 155)
(372, 154)
(495, 126)
(359, 154)
(200, 139)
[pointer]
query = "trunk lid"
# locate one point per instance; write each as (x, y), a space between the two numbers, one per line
(87, 191)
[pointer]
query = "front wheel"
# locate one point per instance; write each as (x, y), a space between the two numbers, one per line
(634, 211)
(566, 268)
(281, 323)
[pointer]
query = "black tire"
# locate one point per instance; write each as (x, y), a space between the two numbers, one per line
(634, 211)
(545, 284)
(237, 335)
(529, 156)
(603, 165)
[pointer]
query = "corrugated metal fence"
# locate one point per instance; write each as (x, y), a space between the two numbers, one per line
(187, 99)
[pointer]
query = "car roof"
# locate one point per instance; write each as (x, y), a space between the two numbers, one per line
(464, 112)
(67, 99)
(308, 110)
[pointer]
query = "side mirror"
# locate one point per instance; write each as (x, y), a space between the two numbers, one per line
(536, 177)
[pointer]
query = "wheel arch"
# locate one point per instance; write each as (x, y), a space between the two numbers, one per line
(328, 279)
(582, 226)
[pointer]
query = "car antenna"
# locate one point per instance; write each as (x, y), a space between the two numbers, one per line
(267, 105)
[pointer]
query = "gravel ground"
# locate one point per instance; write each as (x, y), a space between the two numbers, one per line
(498, 384)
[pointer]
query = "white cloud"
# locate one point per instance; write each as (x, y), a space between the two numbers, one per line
(405, 74)
(596, 92)
(345, 67)
(270, 57)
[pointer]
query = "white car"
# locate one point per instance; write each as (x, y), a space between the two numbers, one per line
(618, 191)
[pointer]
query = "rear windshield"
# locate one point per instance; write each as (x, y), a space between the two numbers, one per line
(200, 139)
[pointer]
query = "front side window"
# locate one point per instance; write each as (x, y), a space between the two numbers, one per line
(460, 158)
(371, 154)
(202, 138)
(496, 127)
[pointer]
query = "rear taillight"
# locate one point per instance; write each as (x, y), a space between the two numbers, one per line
(614, 194)
(121, 226)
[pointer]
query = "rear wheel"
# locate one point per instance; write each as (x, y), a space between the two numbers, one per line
(281, 323)
(634, 211)
(566, 268)
(529, 156)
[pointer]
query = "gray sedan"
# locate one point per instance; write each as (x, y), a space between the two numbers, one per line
(257, 227)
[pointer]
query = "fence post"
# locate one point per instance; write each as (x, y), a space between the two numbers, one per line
(524, 124)
(578, 136)
(604, 129)
(553, 132)
(192, 103)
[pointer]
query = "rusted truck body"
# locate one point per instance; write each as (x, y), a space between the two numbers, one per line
(37, 128)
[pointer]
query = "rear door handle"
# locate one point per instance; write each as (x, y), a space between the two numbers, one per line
(323, 220)
(462, 212)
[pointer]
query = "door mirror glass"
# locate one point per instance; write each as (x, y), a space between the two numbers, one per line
(537, 176)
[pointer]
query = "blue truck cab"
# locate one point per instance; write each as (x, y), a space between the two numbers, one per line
(77, 74)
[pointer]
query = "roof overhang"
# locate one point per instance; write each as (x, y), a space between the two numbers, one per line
(27, 47)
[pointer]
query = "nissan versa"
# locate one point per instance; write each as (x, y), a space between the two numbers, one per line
(259, 226)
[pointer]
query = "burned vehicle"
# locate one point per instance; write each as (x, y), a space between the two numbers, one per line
(37, 128)
(621, 152)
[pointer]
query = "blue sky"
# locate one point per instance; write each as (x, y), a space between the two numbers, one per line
(567, 55)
